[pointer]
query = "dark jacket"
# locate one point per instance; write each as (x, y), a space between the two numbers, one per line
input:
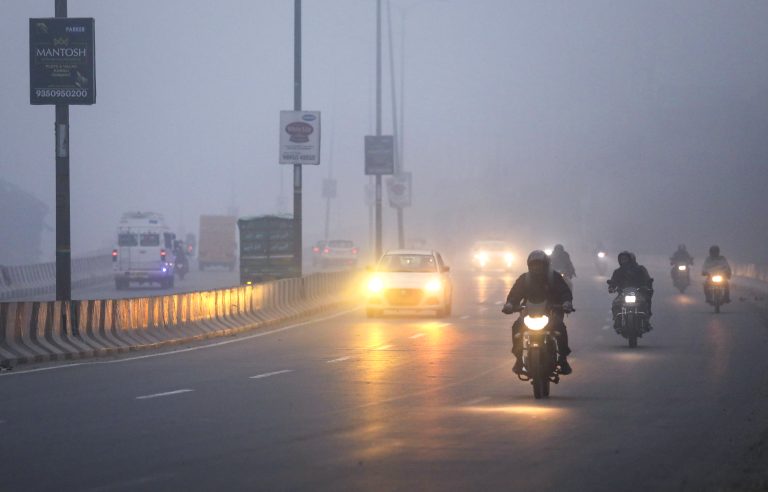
(552, 288)
(681, 257)
(561, 261)
(631, 275)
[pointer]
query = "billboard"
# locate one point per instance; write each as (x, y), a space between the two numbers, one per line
(399, 190)
(379, 154)
(300, 137)
(62, 61)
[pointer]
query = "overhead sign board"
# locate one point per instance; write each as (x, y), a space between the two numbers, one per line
(300, 137)
(379, 154)
(61, 61)
(399, 190)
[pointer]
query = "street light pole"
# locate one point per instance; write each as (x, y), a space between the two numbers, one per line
(378, 126)
(396, 154)
(63, 233)
(297, 228)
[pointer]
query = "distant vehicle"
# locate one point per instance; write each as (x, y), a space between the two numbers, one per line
(410, 280)
(144, 252)
(267, 249)
(317, 252)
(218, 244)
(339, 252)
(492, 255)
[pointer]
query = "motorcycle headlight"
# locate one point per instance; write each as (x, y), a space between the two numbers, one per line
(630, 299)
(375, 285)
(682, 268)
(717, 279)
(536, 323)
(433, 286)
(548, 251)
(601, 254)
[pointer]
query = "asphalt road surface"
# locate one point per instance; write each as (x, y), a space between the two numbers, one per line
(408, 403)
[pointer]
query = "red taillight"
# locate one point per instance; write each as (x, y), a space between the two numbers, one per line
(162, 254)
(315, 249)
(189, 248)
(326, 250)
(114, 255)
(354, 251)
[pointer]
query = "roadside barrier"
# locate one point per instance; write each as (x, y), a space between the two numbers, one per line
(38, 279)
(46, 331)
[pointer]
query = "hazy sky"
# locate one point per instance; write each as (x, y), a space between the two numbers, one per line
(642, 124)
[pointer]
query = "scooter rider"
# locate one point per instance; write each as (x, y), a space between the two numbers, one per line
(717, 264)
(630, 274)
(538, 284)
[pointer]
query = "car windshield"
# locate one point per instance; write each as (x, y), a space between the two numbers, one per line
(340, 244)
(408, 263)
(127, 239)
(150, 239)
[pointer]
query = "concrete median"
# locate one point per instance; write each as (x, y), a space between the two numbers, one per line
(46, 331)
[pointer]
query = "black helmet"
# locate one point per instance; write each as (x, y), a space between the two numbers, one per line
(559, 248)
(714, 250)
(627, 258)
(538, 262)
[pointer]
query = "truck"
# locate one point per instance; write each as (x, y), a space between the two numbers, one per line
(267, 248)
(144, 250)
(217, 242)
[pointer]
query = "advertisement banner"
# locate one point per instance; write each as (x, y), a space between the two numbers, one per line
(379, 154)
(300, 137)
(399, 190)
(61, 61)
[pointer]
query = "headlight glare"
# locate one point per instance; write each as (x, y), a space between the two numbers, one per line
(717, 278)
(536, 323)
(433, 286)
(682, 268)
(375, 285)
(630, 299)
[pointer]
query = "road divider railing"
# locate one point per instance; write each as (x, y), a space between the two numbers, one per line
(45, 331)
(33, 280)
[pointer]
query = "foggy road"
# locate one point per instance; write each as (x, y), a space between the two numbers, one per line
(409, 403)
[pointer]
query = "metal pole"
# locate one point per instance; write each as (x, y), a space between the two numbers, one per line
(398, 165)
(63, 235)
(297, 229)
(378, 125)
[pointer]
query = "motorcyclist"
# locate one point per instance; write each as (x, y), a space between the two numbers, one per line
(717, 264)
(630, 274)
(538, 284)
(681, 257)
(561, 261)
(180, 254)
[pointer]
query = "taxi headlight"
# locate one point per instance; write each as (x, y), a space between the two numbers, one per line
(682, 268)
(717, 278)
(536, 323)
(433, 286)
(482, 257)
(630, 299)
(375, 285)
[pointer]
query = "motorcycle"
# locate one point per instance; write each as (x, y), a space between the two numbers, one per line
(601, 263)
(715, 287)
(540, 351)
(681, 276)
(631, 320)
(181, 267)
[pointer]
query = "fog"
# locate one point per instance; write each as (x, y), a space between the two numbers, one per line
(639, 124)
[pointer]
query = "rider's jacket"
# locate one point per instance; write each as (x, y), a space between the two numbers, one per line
(681, 257)
(631, 275)
(550, 287)
(716, 264)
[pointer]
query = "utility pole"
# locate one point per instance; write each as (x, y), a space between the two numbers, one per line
(297, 227)
(63, 234)
(398, 164)
(378, 126)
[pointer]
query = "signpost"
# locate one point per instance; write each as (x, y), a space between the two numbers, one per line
(62, 72)
(399, 190)
(379, 155)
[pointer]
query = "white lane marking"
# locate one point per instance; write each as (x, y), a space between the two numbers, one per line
(181, 351)
(477, 400)
(340, 359)
(381, 347)
(418, 335)
(167, 393)
(268, 374)
(466, 316)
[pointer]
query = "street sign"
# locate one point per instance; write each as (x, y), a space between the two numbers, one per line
(399, 190)
(329, 188)
(61, 61)
(300, 137)
(379, 154)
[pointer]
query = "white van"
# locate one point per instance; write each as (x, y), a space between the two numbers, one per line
(144, 252)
